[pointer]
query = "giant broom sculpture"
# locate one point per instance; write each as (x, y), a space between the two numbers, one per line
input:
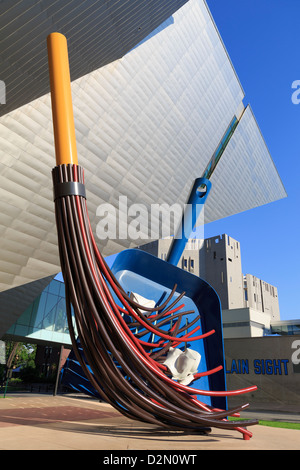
(125, 371)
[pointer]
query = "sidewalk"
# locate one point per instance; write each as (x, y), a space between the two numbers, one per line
(78, 422)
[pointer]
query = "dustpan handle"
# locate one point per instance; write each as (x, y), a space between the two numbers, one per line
(190, 216)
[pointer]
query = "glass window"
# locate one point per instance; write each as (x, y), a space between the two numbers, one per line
(53, 287)
(51, 302)
(62, 289)
(38, 316)
(24, 319)
(61, 317)
(34, 311)
(49, 320)
(50, 312)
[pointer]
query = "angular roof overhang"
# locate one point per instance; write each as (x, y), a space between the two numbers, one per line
(146, 124)
(99, 32)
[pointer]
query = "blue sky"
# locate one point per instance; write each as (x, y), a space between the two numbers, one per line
(262, 38)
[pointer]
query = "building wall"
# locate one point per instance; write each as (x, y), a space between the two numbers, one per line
(48, 358)
(271, 363)
(216, 259)
(190, 259)
(223, 270)
(262, 296)
(248, 303)
(244, 322)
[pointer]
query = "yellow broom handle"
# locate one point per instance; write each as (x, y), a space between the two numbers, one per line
(61, 97)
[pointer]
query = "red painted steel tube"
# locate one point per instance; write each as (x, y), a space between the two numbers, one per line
(134, 345)
(170, 381)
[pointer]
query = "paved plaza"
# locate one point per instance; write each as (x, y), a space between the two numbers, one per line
(70, 422)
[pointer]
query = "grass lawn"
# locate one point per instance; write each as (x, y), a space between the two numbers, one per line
(279, 424)
(273, 424)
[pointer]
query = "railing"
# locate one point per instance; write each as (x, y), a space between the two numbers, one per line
(8, 388)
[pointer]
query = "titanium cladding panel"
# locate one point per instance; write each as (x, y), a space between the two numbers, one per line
(245, 176)
(146, 127)
(98, 32)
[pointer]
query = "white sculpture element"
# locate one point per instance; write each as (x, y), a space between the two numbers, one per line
(183, 365)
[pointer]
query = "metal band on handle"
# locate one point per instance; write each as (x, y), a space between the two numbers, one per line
(68, 188)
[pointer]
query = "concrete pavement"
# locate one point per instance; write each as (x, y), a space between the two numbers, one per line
(77, 422)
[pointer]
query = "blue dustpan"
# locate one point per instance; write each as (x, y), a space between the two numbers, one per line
(153, 278)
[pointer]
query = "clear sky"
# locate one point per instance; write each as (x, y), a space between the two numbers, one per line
(262, 38)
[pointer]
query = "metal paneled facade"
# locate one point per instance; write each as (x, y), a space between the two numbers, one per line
(246, 172)
(98, 33)
(146, 126)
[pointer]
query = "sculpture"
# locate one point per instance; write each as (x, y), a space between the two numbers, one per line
(128, 372)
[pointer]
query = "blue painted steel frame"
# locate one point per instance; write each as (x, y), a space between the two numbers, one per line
(151, 277)
(138, 271)
(193, 208)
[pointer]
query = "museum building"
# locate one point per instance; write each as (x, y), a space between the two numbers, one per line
(157, 104)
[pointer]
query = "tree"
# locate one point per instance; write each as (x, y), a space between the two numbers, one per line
(19, 354)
